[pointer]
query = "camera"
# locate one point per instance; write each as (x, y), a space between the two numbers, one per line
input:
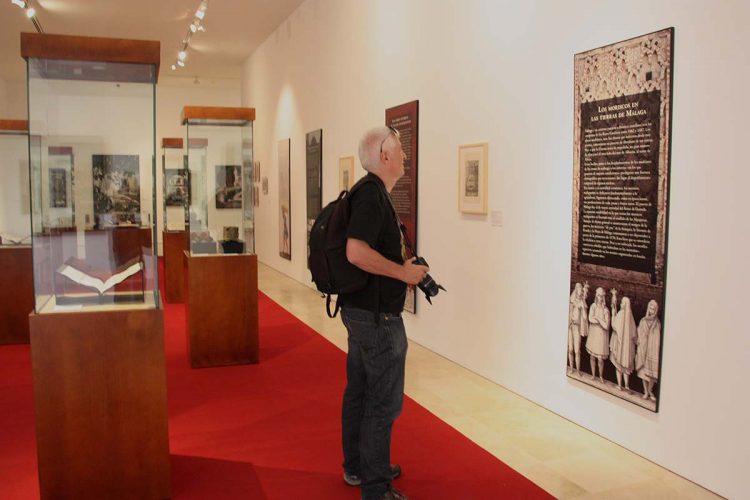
(428, 285)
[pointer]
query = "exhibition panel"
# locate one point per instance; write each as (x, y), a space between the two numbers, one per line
(16, 294)
(91, 115)
(96, 334)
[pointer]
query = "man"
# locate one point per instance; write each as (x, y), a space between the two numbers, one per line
(622, 343)
(377, 340)
(577, 327)
(647, 353)
(597, 343)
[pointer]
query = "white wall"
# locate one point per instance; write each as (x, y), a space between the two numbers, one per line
(502, 72)
(12, 99)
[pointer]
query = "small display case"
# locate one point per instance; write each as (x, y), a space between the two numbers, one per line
(16, 278)
(15, 225)
(176, 184)
(176, 204)
(221, 265)
(92, 174)
(220, 162)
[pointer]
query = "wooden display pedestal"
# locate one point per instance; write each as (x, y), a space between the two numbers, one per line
(16, 294)
(175, 243)
(222, 309)
(101, 404)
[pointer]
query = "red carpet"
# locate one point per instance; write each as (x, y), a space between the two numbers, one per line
(268, 431)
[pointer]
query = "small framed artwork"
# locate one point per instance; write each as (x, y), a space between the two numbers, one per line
(265, 185)
(472, 178)
(346, 173)
(228, 186)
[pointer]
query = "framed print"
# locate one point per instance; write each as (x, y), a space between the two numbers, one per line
(621, 158)
(314, 178)
(285, 200)
(176, 190)
(346, 173)
(117, 189)
(228, 186)
(58, 191)
(472, 178)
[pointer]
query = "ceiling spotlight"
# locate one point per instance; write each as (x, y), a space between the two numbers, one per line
(200, 14)
(201, 28)
(180, 64)
(20, 3)
(182, 55)
(174, 67)
(30, 12)
(193, 28)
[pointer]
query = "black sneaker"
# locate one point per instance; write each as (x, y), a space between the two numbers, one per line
(355, 480)
(394, 494)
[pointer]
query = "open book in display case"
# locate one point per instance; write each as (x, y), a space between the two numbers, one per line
(96, 330)
(221, 280)
(92, 174)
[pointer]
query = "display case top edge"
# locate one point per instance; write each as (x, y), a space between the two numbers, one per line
(20, 127)
(215, 115)
(91, 49)
(171, 142)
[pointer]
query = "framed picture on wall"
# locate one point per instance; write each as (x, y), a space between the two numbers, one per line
(346, 173)
(117, 189)
(58, 188)
(228, 186)
(472, 178)
(285, 200)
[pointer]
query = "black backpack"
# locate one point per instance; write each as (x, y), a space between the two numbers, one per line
(332, 273)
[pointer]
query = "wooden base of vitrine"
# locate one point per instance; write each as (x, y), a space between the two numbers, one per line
(175, 243)
(16, 294)
(222, 310)
(101, 404)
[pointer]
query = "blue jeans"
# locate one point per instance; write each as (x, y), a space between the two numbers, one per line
(373, 397)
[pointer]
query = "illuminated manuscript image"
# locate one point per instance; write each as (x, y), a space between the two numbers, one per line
(623, 101)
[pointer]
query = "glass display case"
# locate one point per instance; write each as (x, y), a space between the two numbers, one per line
(220, 162)
(16, 278)
(176, 185)
(92, 171)
(15, 225)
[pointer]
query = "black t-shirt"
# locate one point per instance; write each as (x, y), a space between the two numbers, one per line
(374, 222)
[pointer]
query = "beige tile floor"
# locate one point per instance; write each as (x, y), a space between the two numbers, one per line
(550, 450)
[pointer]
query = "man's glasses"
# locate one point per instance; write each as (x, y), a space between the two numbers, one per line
(395, 132)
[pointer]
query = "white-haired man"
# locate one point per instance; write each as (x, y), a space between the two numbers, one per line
(376, 359)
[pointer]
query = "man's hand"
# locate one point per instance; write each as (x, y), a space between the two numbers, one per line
(361, 255)
(413, 273)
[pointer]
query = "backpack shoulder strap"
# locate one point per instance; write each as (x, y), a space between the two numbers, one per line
(328, 306)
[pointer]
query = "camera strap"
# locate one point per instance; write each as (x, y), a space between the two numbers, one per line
(401, 225)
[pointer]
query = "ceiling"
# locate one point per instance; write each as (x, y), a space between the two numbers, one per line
(234, 28)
